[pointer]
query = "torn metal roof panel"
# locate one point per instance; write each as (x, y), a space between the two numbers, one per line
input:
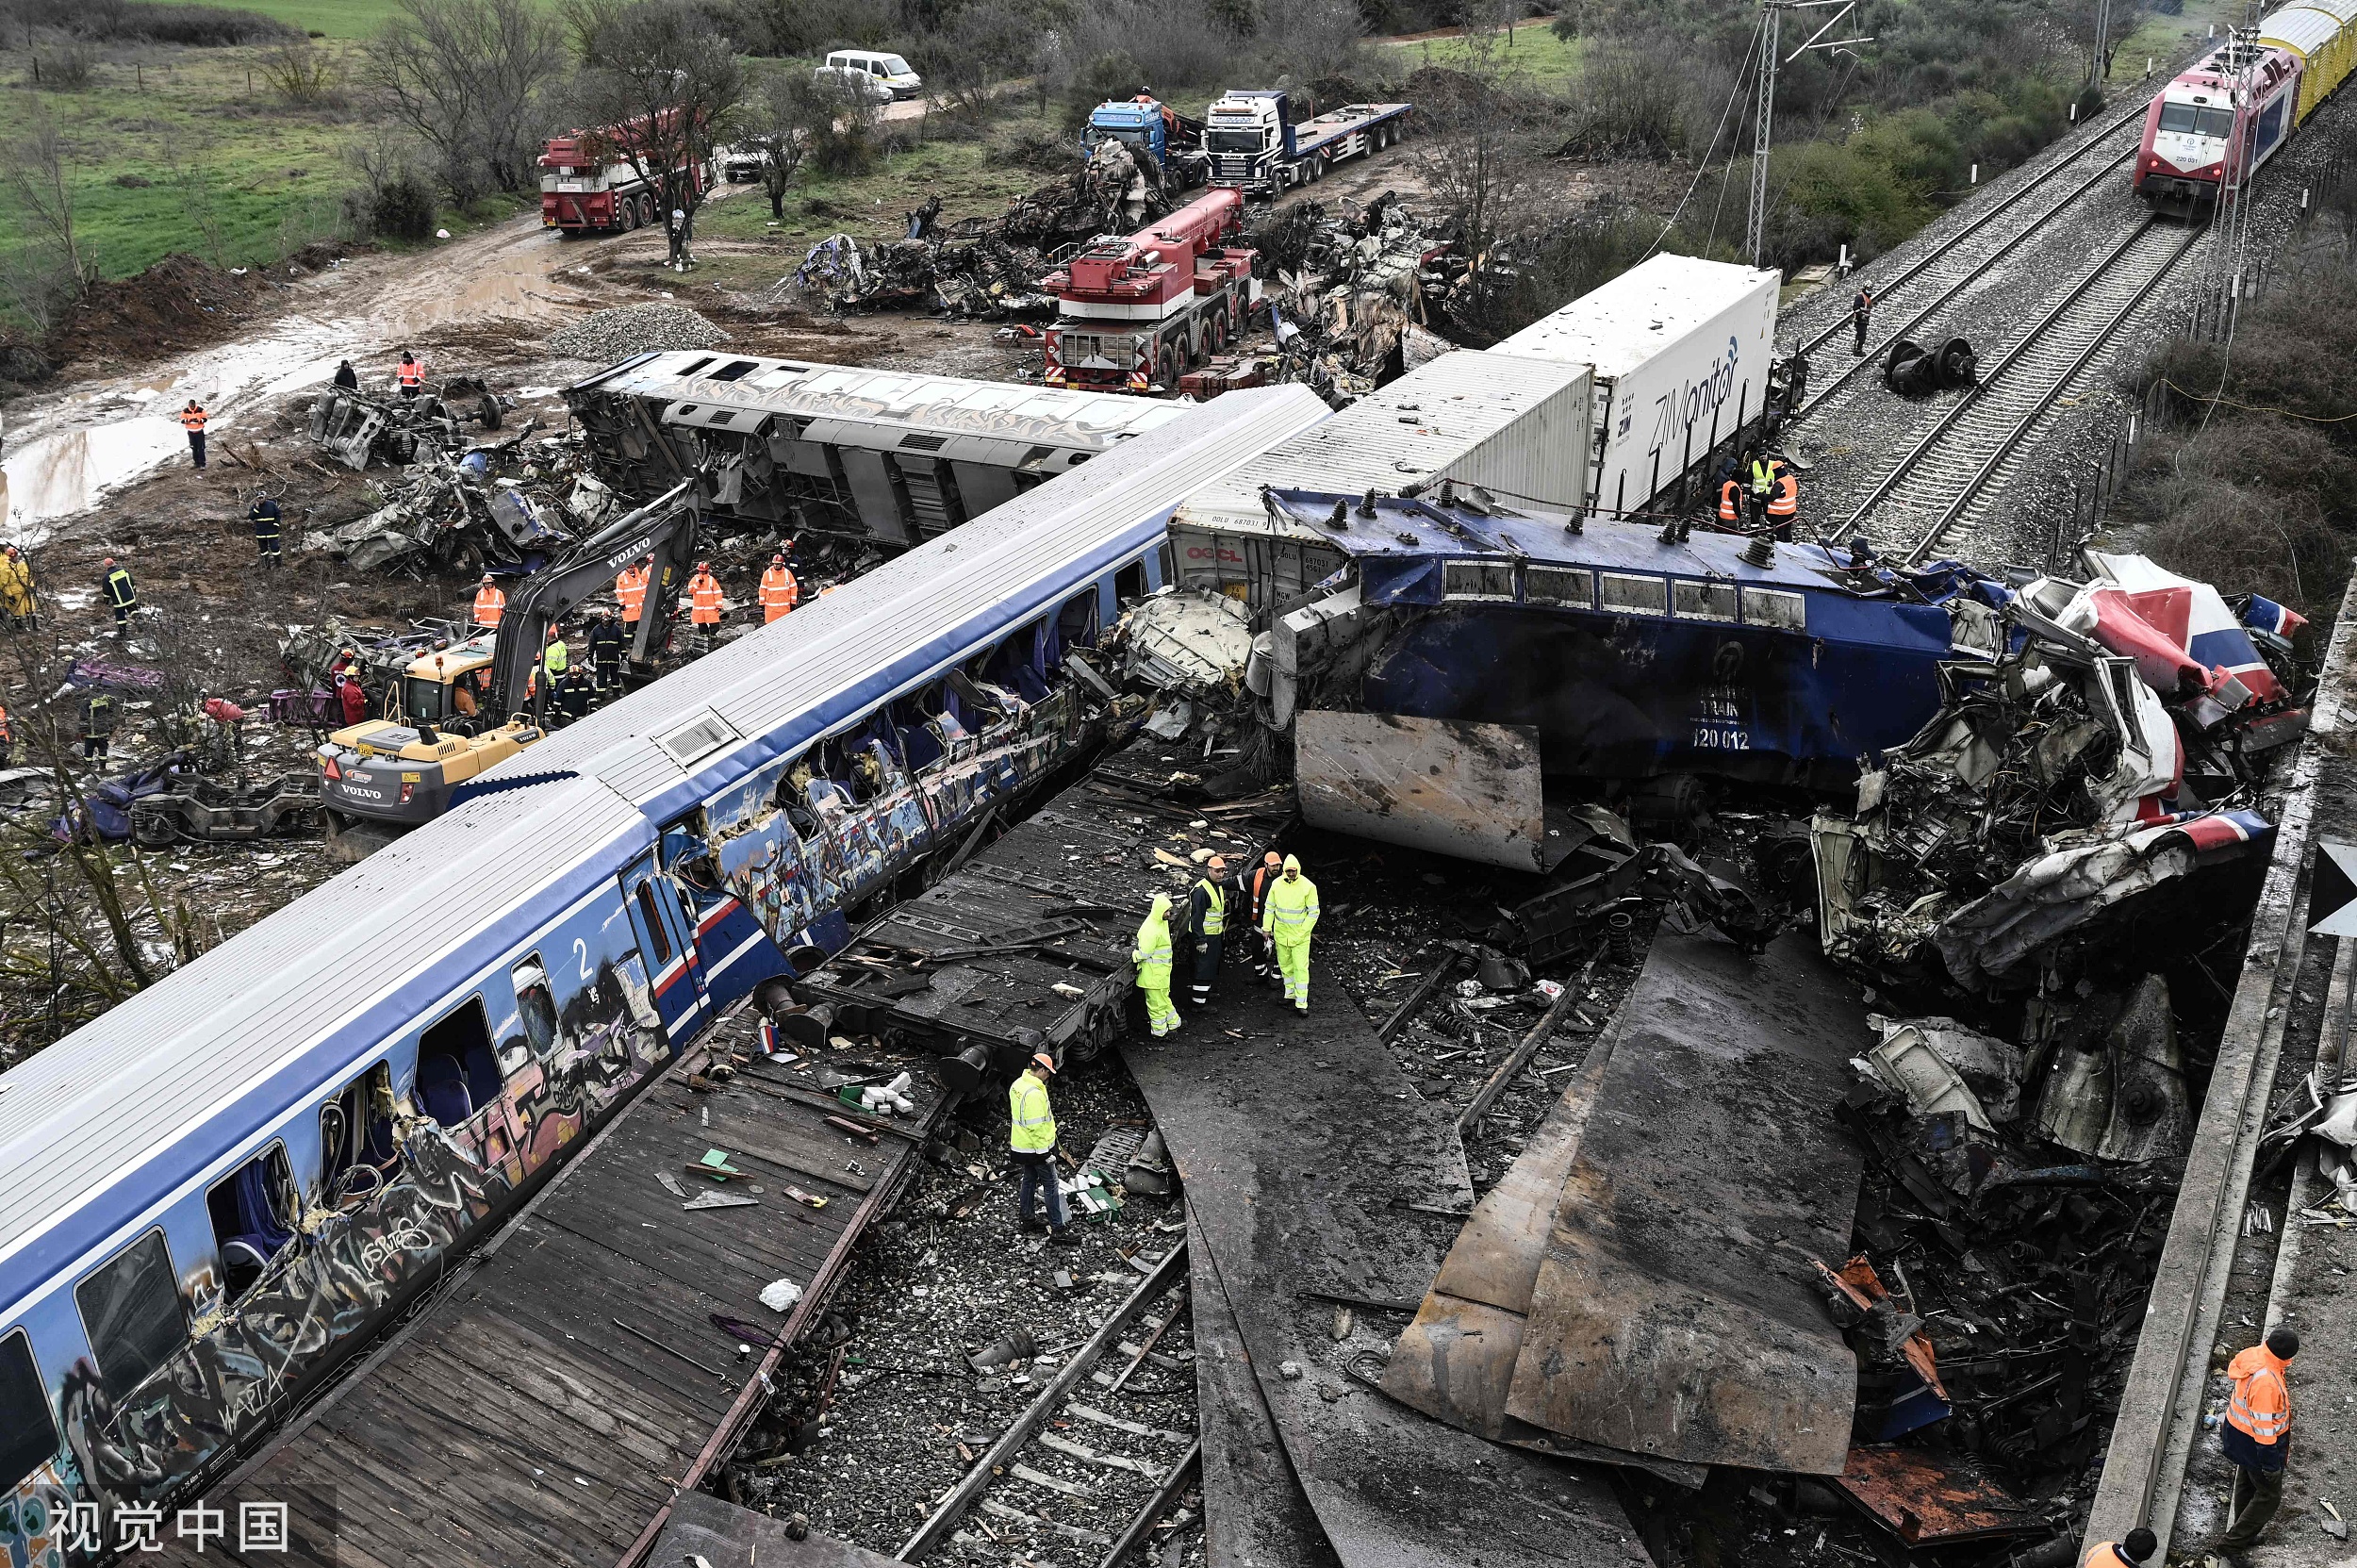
(1677, 1314)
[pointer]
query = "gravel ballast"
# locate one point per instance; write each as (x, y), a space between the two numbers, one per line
(616, 334)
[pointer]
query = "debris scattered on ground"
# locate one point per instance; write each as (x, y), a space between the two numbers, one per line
(358, 429)
(512, 504)
(605, 336)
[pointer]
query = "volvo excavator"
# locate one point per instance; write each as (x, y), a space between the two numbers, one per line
(381, 778)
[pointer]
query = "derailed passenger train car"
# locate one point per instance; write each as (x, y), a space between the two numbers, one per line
(215, 1194)
(881, 455)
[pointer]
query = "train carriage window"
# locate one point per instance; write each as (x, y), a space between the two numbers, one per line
(251, 1210)
(1477, 580)
(1130, 582)
(1076, 623)
(1633, 595)
(652, 917)
(28, 1432)
(536, 1008)
(457, 1073)
(132, 1311)
(1566, 586)
(353, 1163)
(1787, 612)
(1701, 601)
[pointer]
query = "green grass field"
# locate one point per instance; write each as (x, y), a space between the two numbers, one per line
(2159, 39)
(266, 176)
(331, 17)
(1545, 61)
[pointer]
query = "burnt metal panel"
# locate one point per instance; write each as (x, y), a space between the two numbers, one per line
(1936, 1499)
(1467, 790)
(1676, 1313)
(1299, 1140)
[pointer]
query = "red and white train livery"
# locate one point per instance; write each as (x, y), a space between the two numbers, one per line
(2228, 114)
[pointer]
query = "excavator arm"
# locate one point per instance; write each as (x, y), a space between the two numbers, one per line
(667, 528)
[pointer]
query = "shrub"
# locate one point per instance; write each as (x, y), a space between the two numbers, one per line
(134, 21)
(403, 208)
(64, 67)
(1109, 75)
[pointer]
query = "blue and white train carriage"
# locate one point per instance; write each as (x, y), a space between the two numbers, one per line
(223, 1188)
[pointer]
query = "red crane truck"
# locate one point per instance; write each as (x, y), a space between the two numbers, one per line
(1136, 311)
(590, 184)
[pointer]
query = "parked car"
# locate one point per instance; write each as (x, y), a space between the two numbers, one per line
(877, 77)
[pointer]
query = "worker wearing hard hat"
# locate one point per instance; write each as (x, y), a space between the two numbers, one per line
(1031, 1144)
(1291, 915)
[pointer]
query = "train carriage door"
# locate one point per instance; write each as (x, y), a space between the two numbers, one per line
(664, 937)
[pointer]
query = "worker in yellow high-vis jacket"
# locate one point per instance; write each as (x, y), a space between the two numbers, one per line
(1151, 954)
(1032, 1145)
(1290, 916)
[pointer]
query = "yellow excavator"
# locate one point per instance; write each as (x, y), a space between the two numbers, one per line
(381, 777)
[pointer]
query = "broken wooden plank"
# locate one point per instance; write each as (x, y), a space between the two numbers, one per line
(1014, 1515)
(1135, 1428)
(1090, 1455)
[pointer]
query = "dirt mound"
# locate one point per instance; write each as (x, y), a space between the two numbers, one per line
(178, 303)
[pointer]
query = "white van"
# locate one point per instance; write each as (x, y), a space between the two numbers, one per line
(879, 79)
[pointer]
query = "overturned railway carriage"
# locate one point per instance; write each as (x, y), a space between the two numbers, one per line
(214, 1196)
(891, 458)
(2224, 116)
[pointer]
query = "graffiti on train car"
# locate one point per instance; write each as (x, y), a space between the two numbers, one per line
(583, 1034)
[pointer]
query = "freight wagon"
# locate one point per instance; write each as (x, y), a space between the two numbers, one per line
(1680, 349)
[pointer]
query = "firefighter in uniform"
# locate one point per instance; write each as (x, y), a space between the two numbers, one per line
(16, 590)
(98, 726)
(2257, 1435)
(489, 604)
(1032, 1144)
(1206, 922)
(704, 603)
(122, 595)
(265, 515)
(1152, 956)
(630, 589)
(779, 591)
(1290, 917)
(607, 645)
(1256, 890)
(410, 372)
(2135, 1552)
(193, 421)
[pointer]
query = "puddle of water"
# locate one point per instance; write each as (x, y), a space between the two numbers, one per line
(84, 453)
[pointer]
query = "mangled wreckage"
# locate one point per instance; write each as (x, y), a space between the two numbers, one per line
(516, 503)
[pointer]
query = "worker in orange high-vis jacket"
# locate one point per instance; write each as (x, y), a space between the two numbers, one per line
(410, 372)
(2257, 1435)
(779, 591)
(489, 604)
(1731, 501)
(703, 598)
(193, 419)
(1784, 502)
(630, 589)
(2134, 1551)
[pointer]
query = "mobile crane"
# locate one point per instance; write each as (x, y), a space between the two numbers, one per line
(1134, 311)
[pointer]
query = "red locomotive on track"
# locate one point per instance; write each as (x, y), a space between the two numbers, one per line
(2198, 134)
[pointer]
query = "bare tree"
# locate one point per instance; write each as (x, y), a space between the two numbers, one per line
(39, 189)
(471, 79)
(968, 62)
(185, 164)
(665, 85)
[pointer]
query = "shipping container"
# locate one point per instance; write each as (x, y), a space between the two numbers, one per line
(1679, 349)
(1514, 425)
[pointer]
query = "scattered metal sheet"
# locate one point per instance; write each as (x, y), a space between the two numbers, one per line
(1297, 1177)
(1455, 788)
(1930, 1499)
(1676, 1313)
(1457, 1360)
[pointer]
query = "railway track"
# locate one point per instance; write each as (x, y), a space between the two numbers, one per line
(1085, 1468)
(1957, 468)
(1958, 262)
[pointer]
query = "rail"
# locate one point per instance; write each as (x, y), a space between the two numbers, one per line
(2027, 398)
(2013, 199)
